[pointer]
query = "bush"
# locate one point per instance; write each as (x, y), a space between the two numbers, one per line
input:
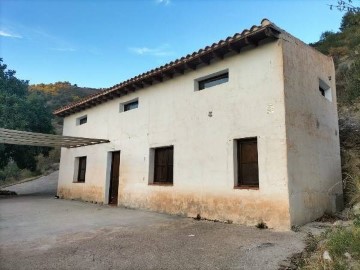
(12, 173)
(46, 163)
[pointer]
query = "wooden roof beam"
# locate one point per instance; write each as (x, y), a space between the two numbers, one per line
(158, 78)
(129, 89)
(218, 55)
(179, 70)
(139, 85)
(251, 41)
(204, 60)
(190, 66)
(168, 74)
(147, 82)
(233, 48)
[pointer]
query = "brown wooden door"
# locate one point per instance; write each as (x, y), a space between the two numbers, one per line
(248, 169)
(114, 178)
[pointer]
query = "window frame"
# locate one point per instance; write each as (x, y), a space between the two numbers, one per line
(200, 83)
(123, 106)
(241, 183)
(81, 168)
(169, 165)
(79, 120)
(325, 90)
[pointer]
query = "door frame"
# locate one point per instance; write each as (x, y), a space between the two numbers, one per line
(108, 175)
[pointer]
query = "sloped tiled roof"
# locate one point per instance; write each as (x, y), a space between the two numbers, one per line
(178, 67)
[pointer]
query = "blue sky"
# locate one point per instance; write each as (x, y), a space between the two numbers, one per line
(101, 43)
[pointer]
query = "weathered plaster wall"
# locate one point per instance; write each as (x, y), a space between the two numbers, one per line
(312, 133)
(172, 113)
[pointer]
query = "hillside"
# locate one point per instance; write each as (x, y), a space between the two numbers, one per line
(42, 99)
(59, 94)
(344, 47)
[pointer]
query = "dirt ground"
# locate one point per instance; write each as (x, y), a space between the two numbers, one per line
(38, 231)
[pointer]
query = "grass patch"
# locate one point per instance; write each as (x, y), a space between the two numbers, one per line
(343, 245)
(353, 189)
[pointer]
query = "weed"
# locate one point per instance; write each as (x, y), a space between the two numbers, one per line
(357, 222)
(327, 217)
(295, 228)
(261, 225)
(353, 188)
(311, 242)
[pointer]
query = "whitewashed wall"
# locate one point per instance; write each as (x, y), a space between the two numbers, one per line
(251, 104)
(315, 184)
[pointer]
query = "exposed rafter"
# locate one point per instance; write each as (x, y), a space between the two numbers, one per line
(9, 136)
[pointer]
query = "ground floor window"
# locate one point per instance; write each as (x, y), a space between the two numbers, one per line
(163, 165)
(247, 163)
(81, 169)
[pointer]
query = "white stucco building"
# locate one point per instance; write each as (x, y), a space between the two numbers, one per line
(243, 130)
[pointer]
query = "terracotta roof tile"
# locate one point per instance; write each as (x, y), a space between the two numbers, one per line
(239, 40)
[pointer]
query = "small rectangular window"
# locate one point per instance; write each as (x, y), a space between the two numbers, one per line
(325, 90)
(130, 105)
(81, 120)
(81, 169)
(163, 165)
(322, 91)
(247, 163)
(214, 80)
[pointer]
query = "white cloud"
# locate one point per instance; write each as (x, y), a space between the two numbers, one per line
(164, 2)
(4, 33)
(160, 51)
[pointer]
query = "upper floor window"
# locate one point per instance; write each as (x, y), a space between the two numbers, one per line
(213, 80)
(130, 105)
(325, 90)
(81, 120)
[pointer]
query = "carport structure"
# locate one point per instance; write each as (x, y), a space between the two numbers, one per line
(9, 136)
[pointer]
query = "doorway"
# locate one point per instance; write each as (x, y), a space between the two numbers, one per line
(114, 178)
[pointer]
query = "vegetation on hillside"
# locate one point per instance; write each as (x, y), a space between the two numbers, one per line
(29, 108)
(21, 110)
(344, 47)
(339, 247)
(61, 93)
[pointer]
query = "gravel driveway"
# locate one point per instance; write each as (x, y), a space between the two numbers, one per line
(38, 231)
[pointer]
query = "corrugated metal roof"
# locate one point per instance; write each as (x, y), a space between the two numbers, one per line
(189, 62)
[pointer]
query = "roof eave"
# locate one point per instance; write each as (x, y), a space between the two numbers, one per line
(191, 62)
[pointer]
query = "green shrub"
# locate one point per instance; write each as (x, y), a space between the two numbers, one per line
(343, 240)
(46, 163)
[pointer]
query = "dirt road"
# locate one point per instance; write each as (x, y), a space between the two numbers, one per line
(38, 231)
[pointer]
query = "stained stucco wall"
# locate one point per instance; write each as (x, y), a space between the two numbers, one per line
(312, 133)
(251, 104)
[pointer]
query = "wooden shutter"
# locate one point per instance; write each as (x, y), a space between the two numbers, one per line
(163, 171)
(82, 169)
(248, 170)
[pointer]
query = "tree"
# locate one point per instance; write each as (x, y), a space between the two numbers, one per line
(21, 110)
(349, 20)
(345, 5)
